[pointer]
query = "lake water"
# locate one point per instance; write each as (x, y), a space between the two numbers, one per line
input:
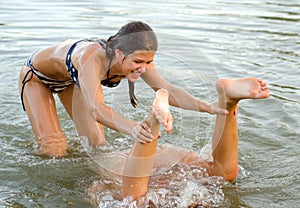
(200, 41)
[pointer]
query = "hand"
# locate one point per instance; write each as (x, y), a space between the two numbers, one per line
(213, 108)
(142, 133)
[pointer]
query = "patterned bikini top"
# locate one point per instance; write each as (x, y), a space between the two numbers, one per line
(74, 73)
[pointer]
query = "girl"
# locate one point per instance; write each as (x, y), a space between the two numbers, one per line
(77, 70)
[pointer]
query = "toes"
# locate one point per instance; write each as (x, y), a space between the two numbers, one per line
(263, 94)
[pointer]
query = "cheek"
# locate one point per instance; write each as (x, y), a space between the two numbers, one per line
(128, 67)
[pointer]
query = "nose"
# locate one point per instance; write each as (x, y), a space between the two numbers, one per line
(141, 69)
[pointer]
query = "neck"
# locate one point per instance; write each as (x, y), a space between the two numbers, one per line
(115, 68)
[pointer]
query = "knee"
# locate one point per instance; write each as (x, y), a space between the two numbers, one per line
(228, 171)
(54, 145)
(231, 176)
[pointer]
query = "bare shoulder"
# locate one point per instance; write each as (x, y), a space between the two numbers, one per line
(89, 51)
(89, 55)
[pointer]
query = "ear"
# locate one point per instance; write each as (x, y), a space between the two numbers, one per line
(119, 53)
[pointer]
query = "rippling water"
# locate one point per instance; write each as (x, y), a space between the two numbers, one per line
(199, 42)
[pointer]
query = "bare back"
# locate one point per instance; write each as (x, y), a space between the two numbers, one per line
(51, 61)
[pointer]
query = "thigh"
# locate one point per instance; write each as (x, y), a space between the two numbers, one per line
(40, 106)
(79, 111)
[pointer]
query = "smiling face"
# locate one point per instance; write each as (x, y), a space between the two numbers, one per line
(136, 63)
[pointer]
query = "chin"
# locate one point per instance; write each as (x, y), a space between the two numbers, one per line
(131, 79)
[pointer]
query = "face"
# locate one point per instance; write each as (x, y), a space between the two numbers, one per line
(135, 64)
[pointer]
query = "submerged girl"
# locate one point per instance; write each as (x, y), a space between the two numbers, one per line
(135, 168)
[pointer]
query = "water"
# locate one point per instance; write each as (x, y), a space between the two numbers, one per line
(211, 39)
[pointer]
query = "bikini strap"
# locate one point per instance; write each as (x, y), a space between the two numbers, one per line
(102, 42)
(25, 80)
(68, 59)
(71, 69)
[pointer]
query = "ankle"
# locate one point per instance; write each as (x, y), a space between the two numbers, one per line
(227, 103)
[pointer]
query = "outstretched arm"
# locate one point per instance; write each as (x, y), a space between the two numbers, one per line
(177, 96)
(139, 164)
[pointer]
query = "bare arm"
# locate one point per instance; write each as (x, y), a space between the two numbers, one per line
(177, 96)
(89, 79)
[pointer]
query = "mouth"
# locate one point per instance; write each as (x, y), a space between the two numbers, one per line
(135, 74)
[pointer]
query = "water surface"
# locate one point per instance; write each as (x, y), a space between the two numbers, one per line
(199, 42)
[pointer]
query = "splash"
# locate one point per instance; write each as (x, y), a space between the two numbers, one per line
(180, 186)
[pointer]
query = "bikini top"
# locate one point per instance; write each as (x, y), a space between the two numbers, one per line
(74, 73)
(106, 82)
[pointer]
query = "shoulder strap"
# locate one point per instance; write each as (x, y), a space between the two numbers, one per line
(102, 42)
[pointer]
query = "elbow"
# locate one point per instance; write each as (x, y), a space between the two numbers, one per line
(100, 113)
(95, 114)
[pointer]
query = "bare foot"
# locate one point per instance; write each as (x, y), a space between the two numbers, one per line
(233, 90)
(160, 109)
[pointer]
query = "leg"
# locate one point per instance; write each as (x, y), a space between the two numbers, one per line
(225, 137)
(78, 110)
(141, 158)
(41, 110)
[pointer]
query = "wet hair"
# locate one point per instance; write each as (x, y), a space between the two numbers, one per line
(131, 37)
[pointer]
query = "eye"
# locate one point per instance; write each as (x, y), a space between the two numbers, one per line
(148, 62)
(137, 61)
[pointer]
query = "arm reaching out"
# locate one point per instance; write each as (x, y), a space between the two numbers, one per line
(179, 97)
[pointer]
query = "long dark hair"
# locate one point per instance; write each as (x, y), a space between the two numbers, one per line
(131, 37)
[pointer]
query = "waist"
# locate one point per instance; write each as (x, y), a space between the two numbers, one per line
(53, 84)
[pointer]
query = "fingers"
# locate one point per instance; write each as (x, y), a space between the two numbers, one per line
(142, 133)
(221, 111)
(145, 126)
(224, 111)
(169, 124)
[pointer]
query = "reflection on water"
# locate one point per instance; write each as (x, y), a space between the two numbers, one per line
(213, 39)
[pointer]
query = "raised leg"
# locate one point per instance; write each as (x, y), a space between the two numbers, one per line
(141, 158)
(41, 110)
(225, 137)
